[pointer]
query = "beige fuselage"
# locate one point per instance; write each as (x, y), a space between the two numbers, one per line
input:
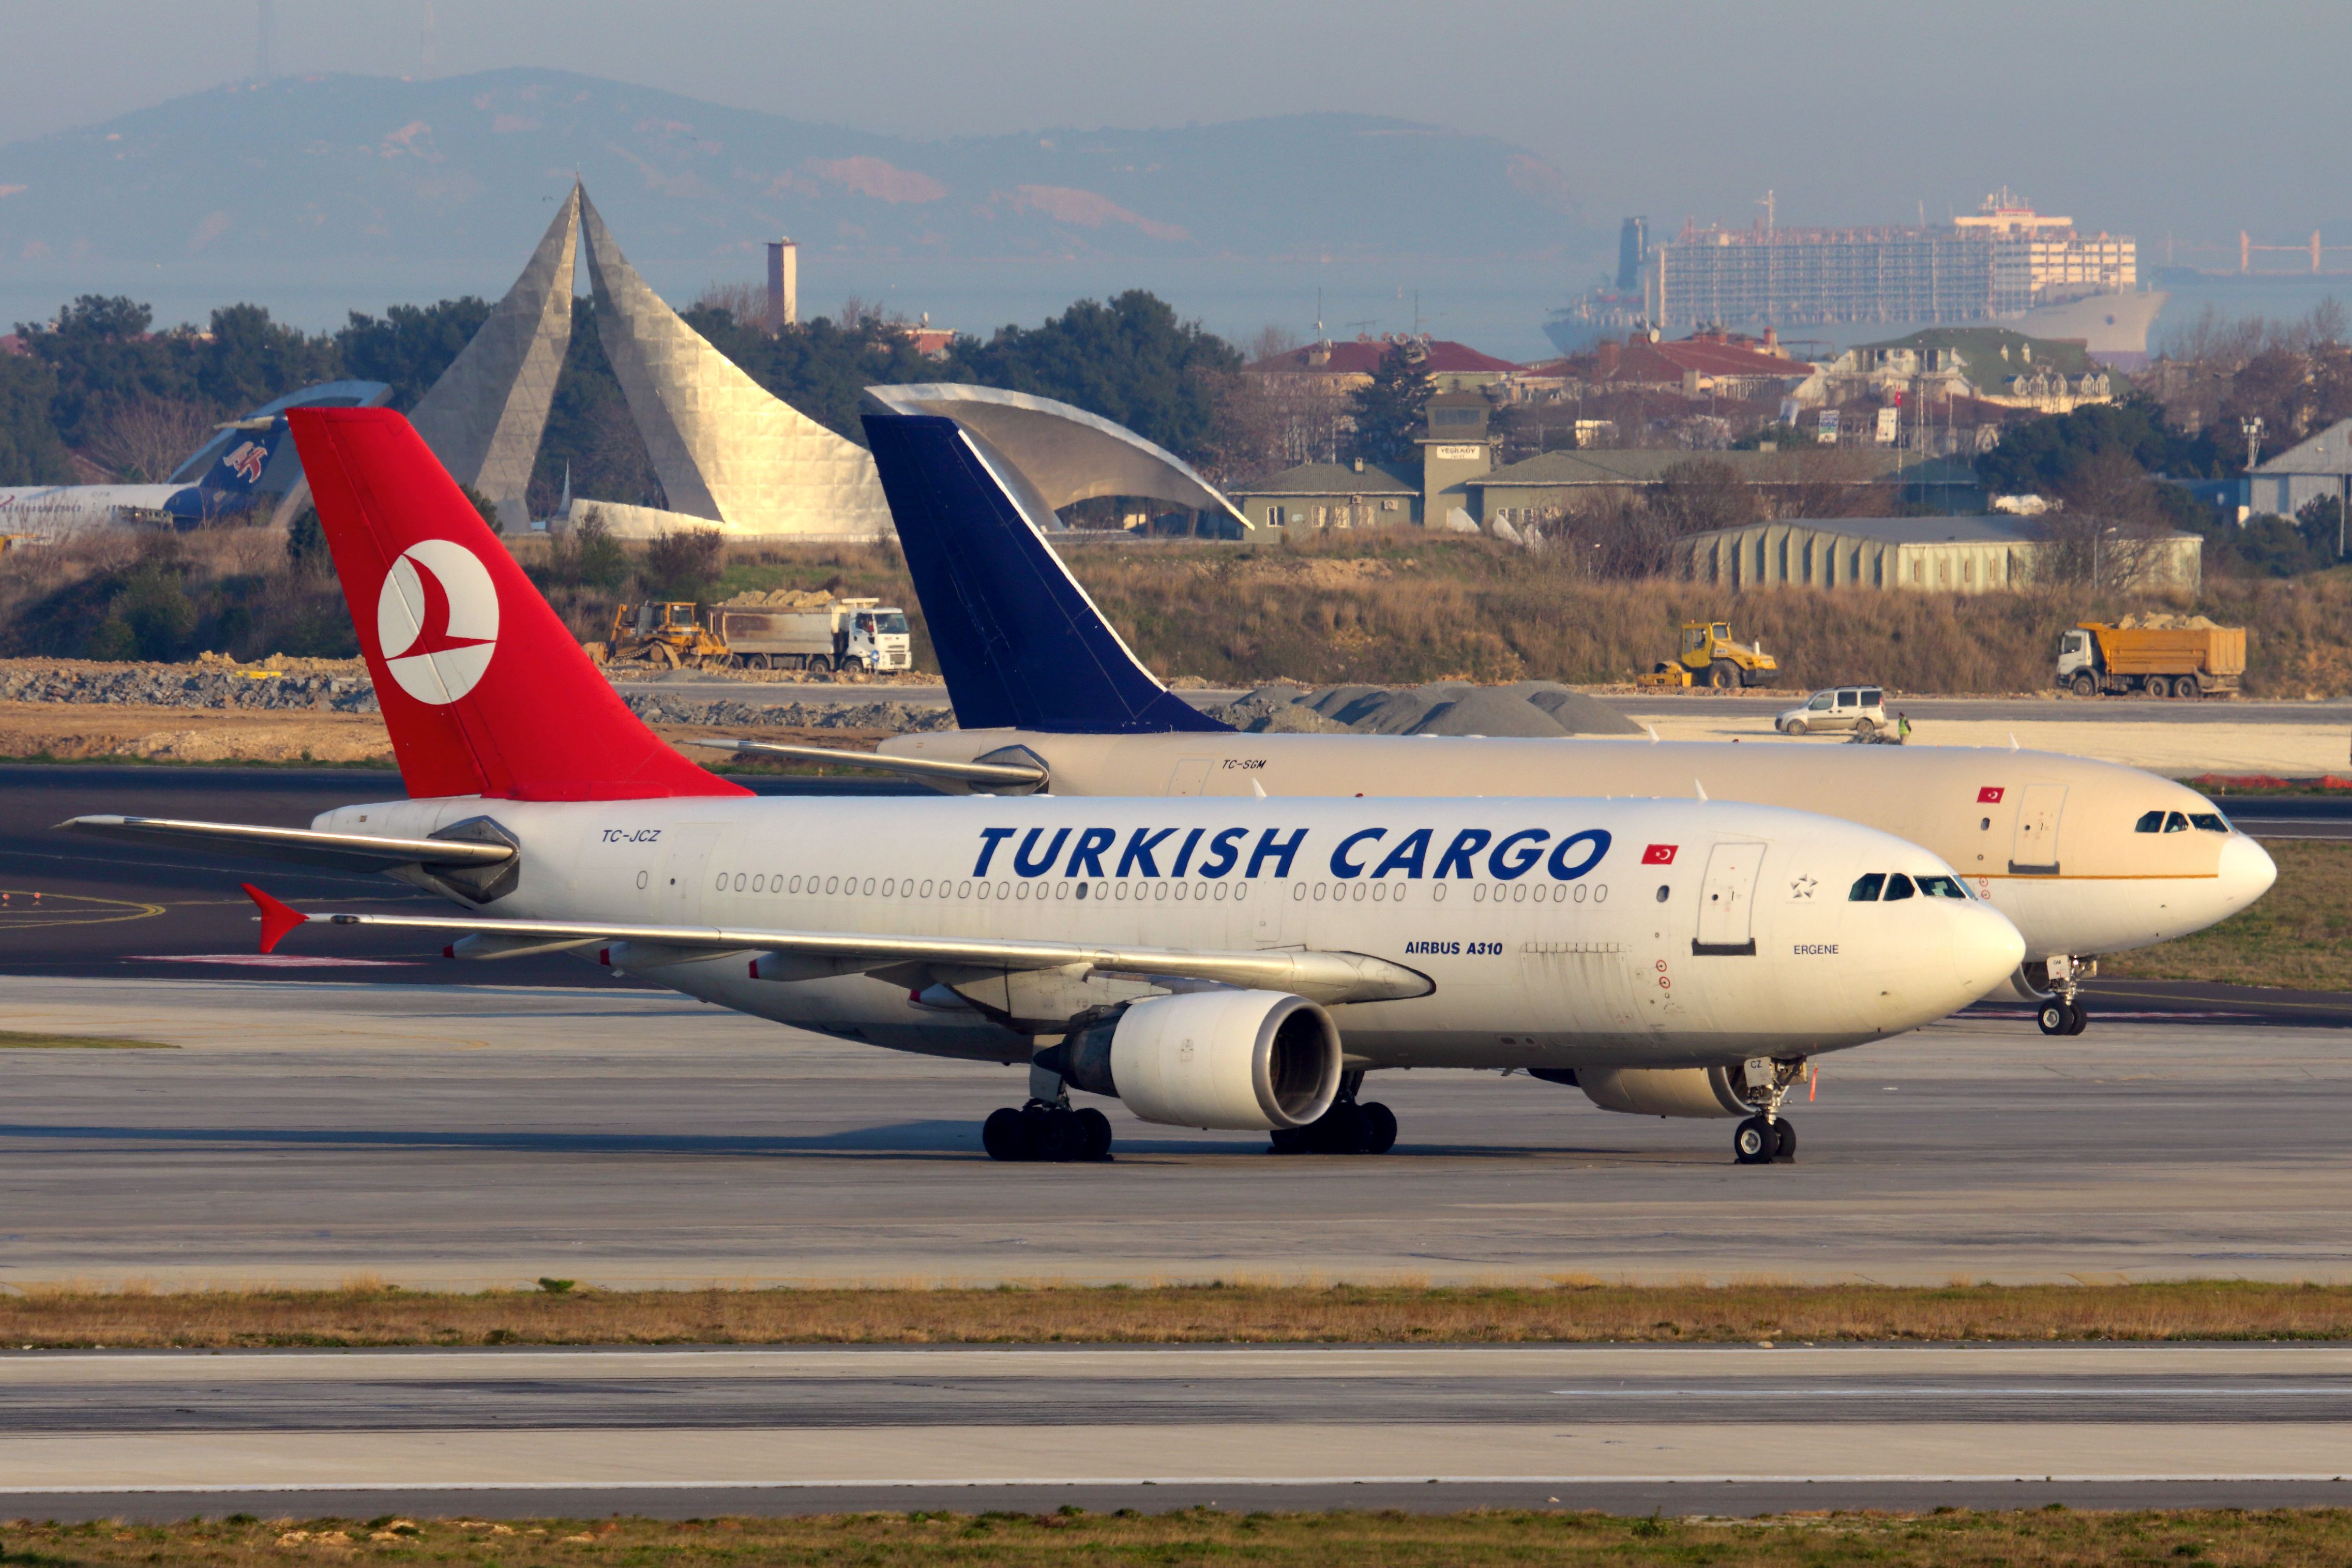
(2049, 840)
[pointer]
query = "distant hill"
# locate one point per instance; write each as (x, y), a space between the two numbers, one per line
(385, 179)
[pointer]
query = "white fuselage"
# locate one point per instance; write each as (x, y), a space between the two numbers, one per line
(2050, 840)
(1556, 932)
(56, 511)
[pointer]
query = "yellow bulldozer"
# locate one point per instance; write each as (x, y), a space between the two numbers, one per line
(666, 635)
(1710, 658)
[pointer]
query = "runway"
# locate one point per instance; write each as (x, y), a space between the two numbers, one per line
(461, 1137)
(1714, 1430)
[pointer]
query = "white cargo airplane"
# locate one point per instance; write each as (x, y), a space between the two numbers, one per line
(2087, 858)
(237, 468)
(1225, 963)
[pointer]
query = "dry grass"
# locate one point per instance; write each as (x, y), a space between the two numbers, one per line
(2298, 936)
(367, 1313)
(1071, 1535)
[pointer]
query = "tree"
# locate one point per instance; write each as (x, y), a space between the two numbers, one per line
(409, 346)
(143, 441)
(1698, 496)
(2111, 532)
(2043, 456)
(1394, 408)
(1131, 360)
(247, 359)
(484, 508)
(30, 452)
(683, 564)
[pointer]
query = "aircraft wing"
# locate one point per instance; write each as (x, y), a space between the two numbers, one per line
(1327, 977)
(339, 851)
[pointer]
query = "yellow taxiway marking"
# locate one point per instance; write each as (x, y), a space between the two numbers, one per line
(21, 909)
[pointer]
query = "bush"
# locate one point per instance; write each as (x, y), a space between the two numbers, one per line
(684, 564)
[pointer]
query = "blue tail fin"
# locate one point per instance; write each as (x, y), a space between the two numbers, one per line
(1021, 644)
(236, 473)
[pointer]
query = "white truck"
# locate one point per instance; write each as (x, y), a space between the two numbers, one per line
(839, 634)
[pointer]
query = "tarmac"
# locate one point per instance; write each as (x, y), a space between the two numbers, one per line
(460, 1137)
(702, 1432)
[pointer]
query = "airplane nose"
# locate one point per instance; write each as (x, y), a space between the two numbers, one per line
(1986, 948)
(2247, 872)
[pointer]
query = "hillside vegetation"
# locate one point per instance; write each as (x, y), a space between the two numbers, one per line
(1388, 609)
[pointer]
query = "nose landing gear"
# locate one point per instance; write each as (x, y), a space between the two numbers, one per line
(1767, 1138)
(2063, 1012)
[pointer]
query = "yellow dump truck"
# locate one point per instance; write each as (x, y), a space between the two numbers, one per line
(1709, 658)
(2163, 655)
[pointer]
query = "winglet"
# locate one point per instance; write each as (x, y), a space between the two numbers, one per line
(277, 920)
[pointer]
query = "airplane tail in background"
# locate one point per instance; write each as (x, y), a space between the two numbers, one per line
(1021, 644)
(484, 689)
(232, 478)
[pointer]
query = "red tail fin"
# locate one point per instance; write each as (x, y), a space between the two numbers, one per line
(483, 689)
(277, 920)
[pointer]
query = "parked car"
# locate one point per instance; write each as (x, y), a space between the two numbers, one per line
(1859, 708)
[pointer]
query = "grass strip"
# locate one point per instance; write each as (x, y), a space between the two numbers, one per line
(14, 1040)
(370, 1314)
(2298, 936)
(1071, 1535)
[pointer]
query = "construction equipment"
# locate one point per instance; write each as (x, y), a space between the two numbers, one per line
(1710, 658)
(788, 629)
(785, 629)
(2164, 656)
(664, 633)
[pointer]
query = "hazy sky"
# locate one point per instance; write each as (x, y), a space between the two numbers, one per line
(2150, 118)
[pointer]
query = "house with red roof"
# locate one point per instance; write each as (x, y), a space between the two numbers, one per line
(1343, 367)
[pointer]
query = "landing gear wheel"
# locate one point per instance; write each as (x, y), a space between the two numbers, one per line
(1380, 1127)
(1754, 1142)
(2078, 1017)
(2086, 687)
(1094, 1129)
(1006, 1135)
(1784, 1151)
(2054, 1016)
(1061, 1140)
(1342, 1129)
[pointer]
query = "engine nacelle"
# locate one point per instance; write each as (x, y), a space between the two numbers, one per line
(1243, 1059)
(1666, 1091)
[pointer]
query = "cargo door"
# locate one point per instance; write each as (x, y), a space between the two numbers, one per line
(1727, 901)
(2034, 851)
(1191, 777)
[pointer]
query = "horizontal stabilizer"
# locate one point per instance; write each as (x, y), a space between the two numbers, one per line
(297, 846)
(1000, 778)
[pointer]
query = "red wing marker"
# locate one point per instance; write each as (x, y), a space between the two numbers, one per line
(277, 920)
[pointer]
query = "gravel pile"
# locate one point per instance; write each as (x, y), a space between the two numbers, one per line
(1538, 708)
(182, 686)
(898, 718)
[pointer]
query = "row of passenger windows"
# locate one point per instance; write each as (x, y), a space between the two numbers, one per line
(946, 888)
(1880, 887)
(2180, 821)
(1147, 892)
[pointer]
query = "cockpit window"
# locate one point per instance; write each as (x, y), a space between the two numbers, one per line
(2176, 822)
(1898, 886)
(1942, 888)
(2149, 822)
(2209, 821)
(1866, 889)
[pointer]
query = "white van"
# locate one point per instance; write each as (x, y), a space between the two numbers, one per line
(1859, 708)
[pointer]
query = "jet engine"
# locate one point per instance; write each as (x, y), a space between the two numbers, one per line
(1250, 1059)
(1664, 1091)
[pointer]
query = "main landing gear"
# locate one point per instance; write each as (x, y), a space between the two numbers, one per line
(1047, 1133)
(1348, 1128)
(1767, 1138)
(2063, 1012)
